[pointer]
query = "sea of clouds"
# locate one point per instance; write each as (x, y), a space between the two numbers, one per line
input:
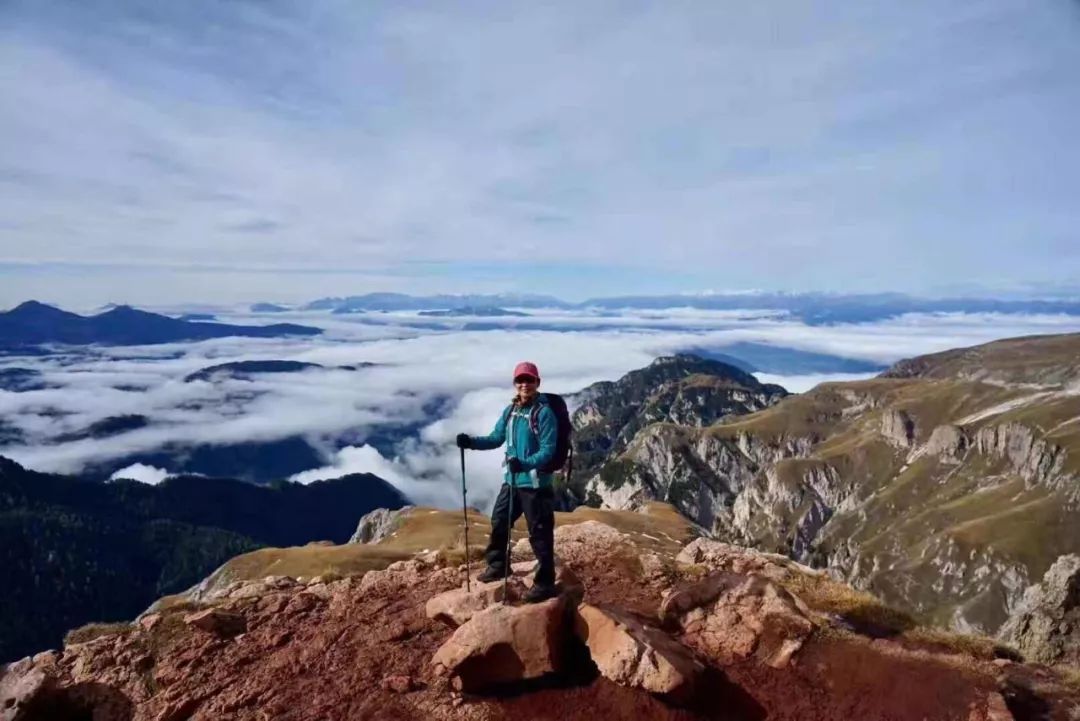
(464, 374)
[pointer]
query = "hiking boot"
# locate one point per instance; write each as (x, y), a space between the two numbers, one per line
(489, 575)
(540, 593)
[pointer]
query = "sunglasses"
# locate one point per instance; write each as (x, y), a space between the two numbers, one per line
(524, 379)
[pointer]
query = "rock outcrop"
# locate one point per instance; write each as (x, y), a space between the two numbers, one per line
(683, 389)
(630, 653)
(720, 628)
(1046, 626)
(218, 622)
(501, 644)
(459, 605)
(731, 617)
(376, 525)
(901, 484)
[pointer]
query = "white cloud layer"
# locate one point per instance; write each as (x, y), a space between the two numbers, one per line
(468, 371)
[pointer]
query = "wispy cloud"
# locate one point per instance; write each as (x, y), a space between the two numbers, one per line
(841, 145)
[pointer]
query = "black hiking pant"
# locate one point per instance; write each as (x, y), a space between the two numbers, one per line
(538, 505)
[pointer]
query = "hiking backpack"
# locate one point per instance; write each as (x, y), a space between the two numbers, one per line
(564, 450)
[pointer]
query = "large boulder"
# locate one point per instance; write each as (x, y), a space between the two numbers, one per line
(20, 683)
(503, 643)
(1046, 625)
(457, 606)
(630, 653)
(730, 617)
(583, 543)
(719, 556)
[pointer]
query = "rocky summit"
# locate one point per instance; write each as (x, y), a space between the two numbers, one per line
(681, 390)
(651, 622)
(948, 485)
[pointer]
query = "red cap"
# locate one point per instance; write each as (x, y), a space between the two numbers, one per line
(525, 368)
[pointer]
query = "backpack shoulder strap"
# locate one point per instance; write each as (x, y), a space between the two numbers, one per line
(534, 413)
(534, 419)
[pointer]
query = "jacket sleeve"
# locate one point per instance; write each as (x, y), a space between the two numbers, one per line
(494, 439)
(547, 433)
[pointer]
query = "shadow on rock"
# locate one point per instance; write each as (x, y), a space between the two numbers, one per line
(577, 670)
(81, 702)
(1024, 703)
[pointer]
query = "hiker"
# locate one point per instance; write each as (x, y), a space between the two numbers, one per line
(528, 427)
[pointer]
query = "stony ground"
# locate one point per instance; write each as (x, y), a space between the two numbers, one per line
(361, 648)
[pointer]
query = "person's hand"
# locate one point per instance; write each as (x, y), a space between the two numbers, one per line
(514, 465)
(463, 440)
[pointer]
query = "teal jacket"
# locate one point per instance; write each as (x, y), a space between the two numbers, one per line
(532, 449)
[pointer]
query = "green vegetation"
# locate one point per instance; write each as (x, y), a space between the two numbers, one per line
(63, 568)
(77, 551)
(846, 467)
(657, 528)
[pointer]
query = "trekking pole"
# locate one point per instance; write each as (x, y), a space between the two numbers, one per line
(465, 514)
(509, 534)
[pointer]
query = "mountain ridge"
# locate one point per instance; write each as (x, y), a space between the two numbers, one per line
(811, 308)
(948, 485)
(32, 324)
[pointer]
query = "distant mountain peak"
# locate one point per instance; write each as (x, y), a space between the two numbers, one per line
(34, 306)
(121, 310)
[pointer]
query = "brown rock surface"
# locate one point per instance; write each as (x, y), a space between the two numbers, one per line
(339, 658)
(1046, 625)
(217, 621)
(730, 616)
(727, 557)
(632, 654)
(504, 643)
(20, 683)
(457, 606)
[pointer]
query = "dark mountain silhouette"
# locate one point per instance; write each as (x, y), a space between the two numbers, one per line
(475, 311)
(241, 370)
(268, 308)
(9, 434)
(18, 380)
(111, 426)
(260, 462)
(33, 323)
(77, 550)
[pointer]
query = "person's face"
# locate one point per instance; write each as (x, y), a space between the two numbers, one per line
(526, 387)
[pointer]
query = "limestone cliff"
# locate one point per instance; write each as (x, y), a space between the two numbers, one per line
(948, 485)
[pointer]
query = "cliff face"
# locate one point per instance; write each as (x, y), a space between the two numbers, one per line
(650, 623)
(948, 485)
(684, 390)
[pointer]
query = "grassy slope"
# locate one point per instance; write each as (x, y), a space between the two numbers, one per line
(911, 508)
(659, 528)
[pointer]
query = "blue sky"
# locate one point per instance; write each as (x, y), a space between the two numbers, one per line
(234, 151)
